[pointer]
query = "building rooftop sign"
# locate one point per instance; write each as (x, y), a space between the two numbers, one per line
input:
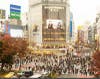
(15, 11)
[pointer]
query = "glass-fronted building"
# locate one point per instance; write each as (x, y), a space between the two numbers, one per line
(52, 20)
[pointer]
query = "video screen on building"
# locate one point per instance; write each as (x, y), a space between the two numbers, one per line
(54, 23)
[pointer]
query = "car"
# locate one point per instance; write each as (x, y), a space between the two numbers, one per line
(36, 75)
(28, 73)
(19, 74)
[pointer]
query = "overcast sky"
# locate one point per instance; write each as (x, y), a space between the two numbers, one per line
(5, 4)
(83, 10)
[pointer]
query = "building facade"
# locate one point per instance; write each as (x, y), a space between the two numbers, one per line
(2, 19)
(49, 22)
(81, 36)
(24, 18)
(87, 29)
(90, 35)
(98, 30)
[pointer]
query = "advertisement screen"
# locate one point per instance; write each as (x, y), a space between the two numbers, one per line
(71, 27)
(16, 33)
(54, 23)
(2, 14)
(35, 28)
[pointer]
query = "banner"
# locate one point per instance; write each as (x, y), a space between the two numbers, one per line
(71, 28)
(7, 29)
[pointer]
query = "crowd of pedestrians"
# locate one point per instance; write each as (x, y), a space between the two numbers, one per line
(66, 64)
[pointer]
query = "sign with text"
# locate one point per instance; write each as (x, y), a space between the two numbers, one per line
(15, 11)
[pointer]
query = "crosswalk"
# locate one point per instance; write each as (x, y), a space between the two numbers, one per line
(74, 76)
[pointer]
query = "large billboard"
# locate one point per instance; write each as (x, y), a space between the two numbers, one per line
(2, 14)
(71, 25)
(14, 21)
(54, 23)
(17, 33)
(35, 28)
(71, 28)
(15, 11)
(13, 30)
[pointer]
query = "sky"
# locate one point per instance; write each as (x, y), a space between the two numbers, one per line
(83, 10)
(5, 4)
